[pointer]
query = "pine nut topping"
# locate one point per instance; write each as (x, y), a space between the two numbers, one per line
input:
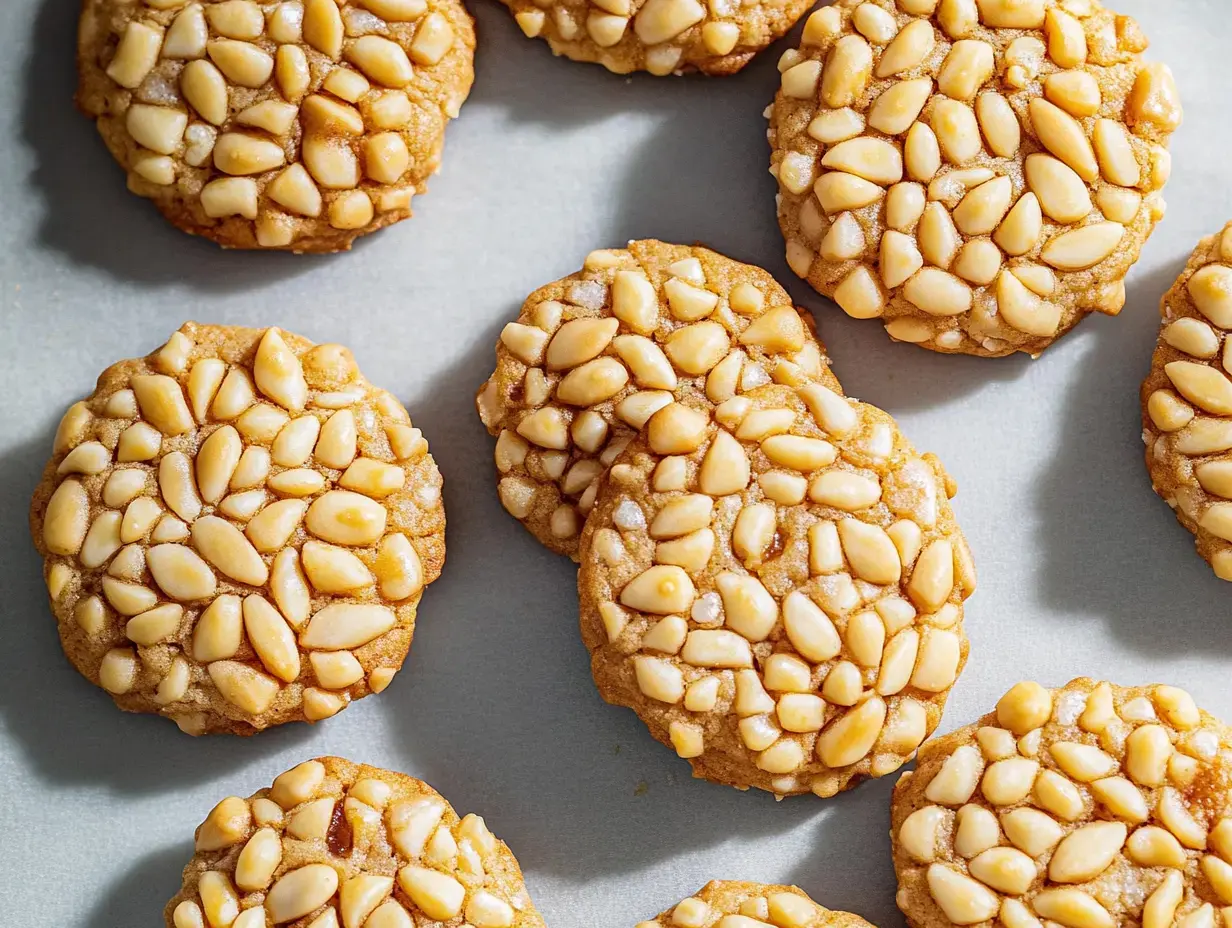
(1073, 862)
(195, 560)
(818, 575)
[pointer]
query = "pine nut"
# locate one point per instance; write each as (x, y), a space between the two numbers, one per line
(831, 126)
(1154, 98)
(157, 624)
(1061, 135)
(937, 293)
(872, 159)
(918, 833)
(964, 901)
(1062, 194)
(957, 779)
(676, 429)
(839, 192)
(937, 236)
(180, 572)
(975, 832)
(999, 124)
(800, 81)
(850, 738)
(910, 47)
(848, 69)
(230, 196)
(301, 891)
(1211, 290)
(243, 687)
(904, 206)
(983, 208)
(346, 626)
(1072, 908)
(1083, 248)
(957, 131)
(965, 69)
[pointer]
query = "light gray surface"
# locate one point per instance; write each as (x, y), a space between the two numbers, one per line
(1083, 570)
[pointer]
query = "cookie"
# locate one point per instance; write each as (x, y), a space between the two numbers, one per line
(978, 175)
(778, 594)
(1187, 401)
(659, 36)
(237, 530)
(289, 125)
(594, 355)
(1089, 806)
(739, 904)
(334, 844)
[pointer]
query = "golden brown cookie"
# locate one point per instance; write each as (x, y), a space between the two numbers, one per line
(977, 174)
(334, 844)
(297, 125)
(1089, 806)
(592, 356)
(1187, 401)
(778, 594)
(659, 36)
(740, 904)
(237, 530)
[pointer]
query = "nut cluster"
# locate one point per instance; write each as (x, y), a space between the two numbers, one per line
(777, 593)
(593, 356)
(1086, 807)
(734, 904)
(1187, 401)
(237, 530)
(298, 124)
(659, 36)
(977, 174)
(333, 844)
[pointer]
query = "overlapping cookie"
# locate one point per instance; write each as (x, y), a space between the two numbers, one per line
(777, 592)
(593, 356)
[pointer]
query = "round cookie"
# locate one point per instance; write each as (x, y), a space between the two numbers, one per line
(339, 845)
(778, 594)
(976, 174)
(593, 355)
(740, 904)
(1089, 806)
(662, 37)
(297, 125)
(1187, 401)
(237, 530)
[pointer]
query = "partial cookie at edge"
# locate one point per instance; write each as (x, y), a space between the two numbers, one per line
(276, 125)
(1187, 401)
(977, 178)
(333, 843)
(662, 37)
(1089, 805)
(733, 903)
